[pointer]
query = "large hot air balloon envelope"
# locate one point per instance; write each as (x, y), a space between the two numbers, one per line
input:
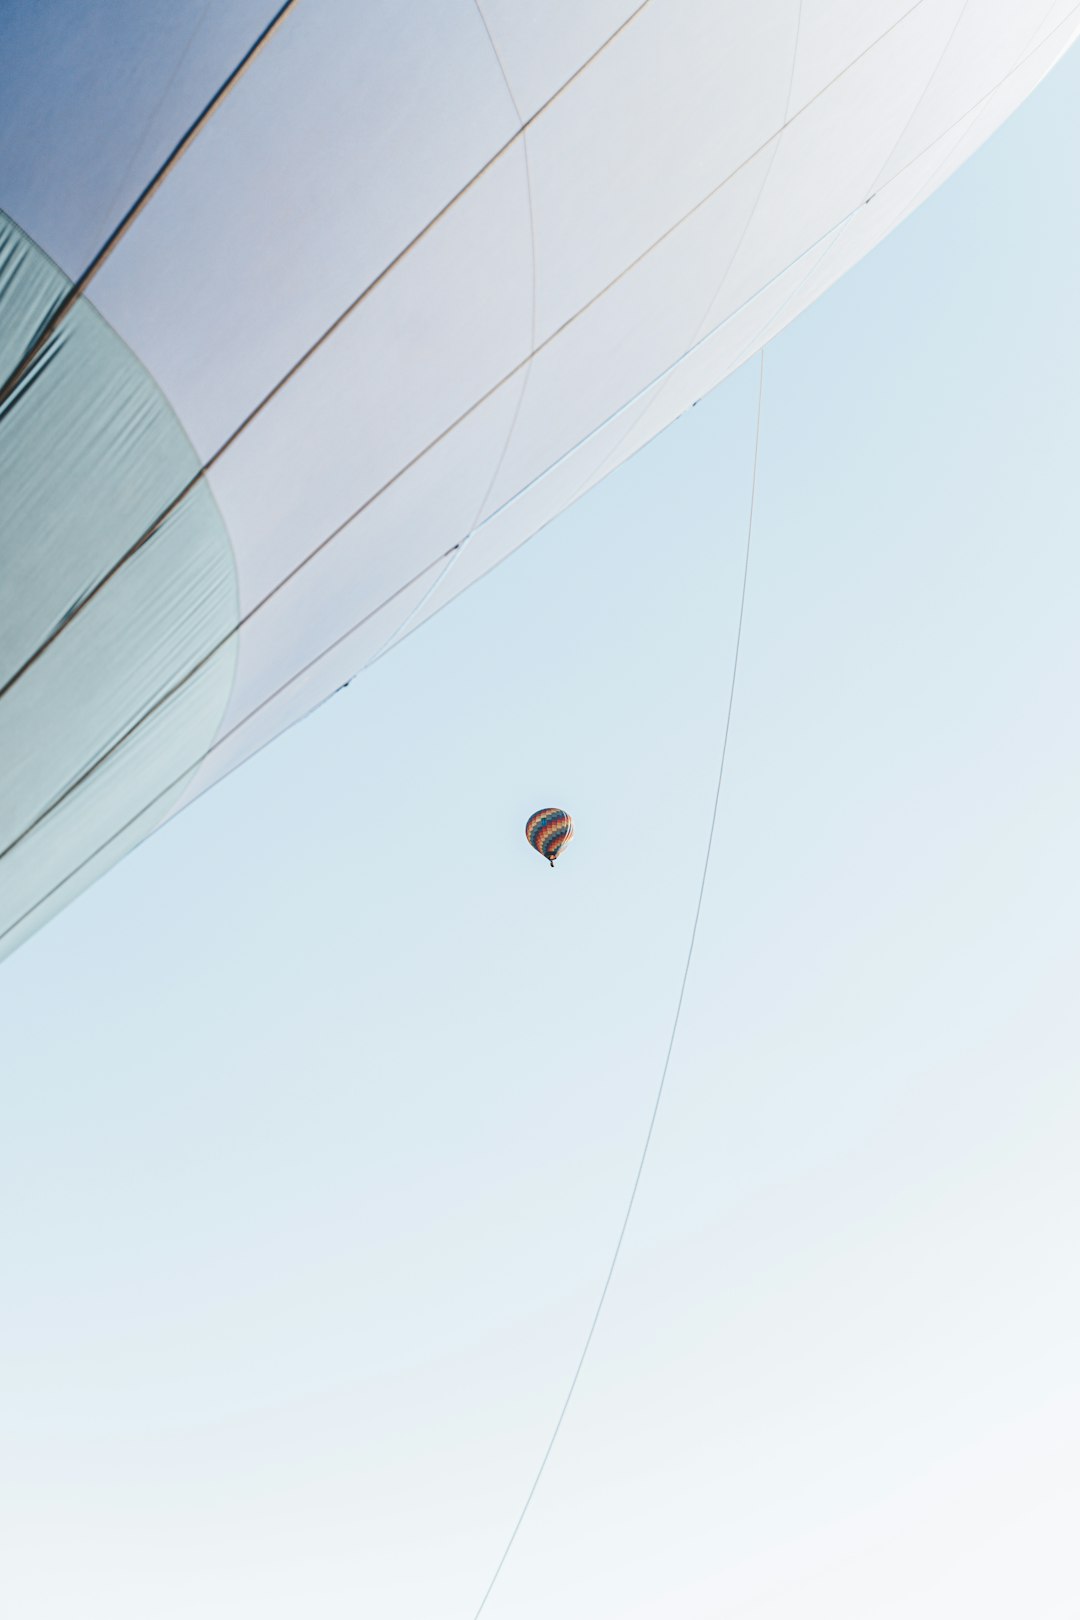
(421, 276)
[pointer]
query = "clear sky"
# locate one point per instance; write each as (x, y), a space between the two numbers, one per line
(321, 1111)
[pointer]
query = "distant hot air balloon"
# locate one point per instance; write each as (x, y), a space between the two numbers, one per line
(282, 370)
(549, 831)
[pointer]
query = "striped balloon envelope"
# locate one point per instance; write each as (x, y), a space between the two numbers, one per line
(549, 832)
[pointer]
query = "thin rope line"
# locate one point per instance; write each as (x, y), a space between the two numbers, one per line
(675, 1022)
(149, 191)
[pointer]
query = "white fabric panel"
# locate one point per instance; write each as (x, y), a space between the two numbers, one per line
(1058, 16)
(430, 341)
(373, 556)
(685, 94)
(541, 47)
(356, 126)
(832, 34)
(589, 369)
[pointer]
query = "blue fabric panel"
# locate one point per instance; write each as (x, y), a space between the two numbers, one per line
(95, 95)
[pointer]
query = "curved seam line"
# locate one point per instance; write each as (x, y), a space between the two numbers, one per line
(532, 267)
(927, 87)
(502, 65)
(418, 607)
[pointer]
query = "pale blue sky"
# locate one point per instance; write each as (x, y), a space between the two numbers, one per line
(320, 1112)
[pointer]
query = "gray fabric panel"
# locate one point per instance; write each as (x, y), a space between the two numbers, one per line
(90, 453)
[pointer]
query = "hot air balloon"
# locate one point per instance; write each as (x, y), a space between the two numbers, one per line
(283, 367)
(549, 831)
